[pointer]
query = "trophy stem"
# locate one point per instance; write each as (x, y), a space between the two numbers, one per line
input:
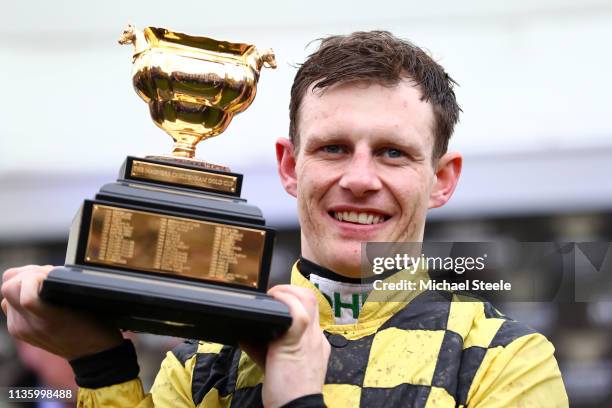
(183, 150)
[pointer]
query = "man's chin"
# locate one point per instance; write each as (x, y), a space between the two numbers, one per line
(346, 261)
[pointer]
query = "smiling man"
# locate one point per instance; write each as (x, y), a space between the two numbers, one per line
(370, 120)
(363, 168)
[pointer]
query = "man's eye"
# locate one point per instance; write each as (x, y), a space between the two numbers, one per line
(393, 153)
(334, 149)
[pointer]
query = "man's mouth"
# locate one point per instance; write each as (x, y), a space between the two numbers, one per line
(359, 217)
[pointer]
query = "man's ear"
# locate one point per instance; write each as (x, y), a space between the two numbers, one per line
(447, 170)
(285, 157)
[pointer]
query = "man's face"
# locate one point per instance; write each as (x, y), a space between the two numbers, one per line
(363, 169)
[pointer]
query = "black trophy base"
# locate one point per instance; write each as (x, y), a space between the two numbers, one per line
(164, 306)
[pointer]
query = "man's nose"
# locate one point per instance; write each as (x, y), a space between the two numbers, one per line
(360, 176)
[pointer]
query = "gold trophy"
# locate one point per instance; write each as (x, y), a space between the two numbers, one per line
(170, 247)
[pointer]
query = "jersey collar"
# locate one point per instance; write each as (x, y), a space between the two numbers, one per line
(379, 306)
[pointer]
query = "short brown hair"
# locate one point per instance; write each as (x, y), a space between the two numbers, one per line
(380, 57)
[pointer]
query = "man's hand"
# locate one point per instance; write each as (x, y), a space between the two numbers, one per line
(60, 331)
(296, 363)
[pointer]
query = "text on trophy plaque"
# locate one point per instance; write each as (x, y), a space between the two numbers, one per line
(176, 246)
(182, 176)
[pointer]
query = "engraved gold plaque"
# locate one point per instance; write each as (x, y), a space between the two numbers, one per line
(183, 177)
(175, 246)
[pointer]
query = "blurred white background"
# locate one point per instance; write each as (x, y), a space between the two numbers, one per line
(534, 88)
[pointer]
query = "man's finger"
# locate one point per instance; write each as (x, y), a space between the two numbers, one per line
(12, 272)
(299, 315)
(306, 296)
(30, 288)
(11, 290)
(4, 305)
(17, 326)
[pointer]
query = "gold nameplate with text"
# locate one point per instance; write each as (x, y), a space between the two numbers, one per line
(175, 246)
(182, 176)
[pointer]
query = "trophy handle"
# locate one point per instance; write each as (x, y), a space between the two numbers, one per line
(134, 36)
(268, 58)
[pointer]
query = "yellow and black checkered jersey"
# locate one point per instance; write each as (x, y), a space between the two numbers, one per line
(431, 350)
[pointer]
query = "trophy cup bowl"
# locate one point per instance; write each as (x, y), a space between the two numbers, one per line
(193, 85)
(171, 247)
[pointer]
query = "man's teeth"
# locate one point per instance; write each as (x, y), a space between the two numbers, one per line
(358, 218)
